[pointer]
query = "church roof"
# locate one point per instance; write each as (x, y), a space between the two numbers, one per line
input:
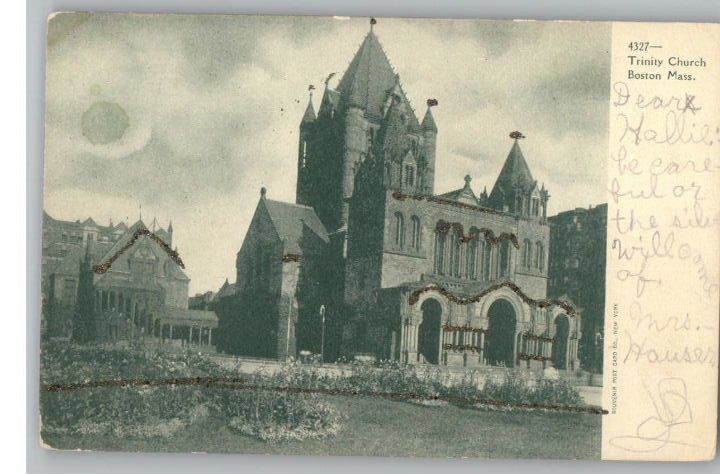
(515, 174)
(369, 79)
(290, 220)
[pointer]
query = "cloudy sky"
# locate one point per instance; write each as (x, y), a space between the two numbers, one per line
(190, 115)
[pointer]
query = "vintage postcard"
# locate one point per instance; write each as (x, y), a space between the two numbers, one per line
(381, 237)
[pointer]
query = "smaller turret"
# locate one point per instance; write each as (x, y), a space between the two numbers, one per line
(307, 131)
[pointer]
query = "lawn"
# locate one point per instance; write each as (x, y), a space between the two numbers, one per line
(381, 427)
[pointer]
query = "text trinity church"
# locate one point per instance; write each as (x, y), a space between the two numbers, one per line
(369, 260)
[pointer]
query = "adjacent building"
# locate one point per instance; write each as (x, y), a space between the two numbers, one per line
(117, 282)
(577, 269)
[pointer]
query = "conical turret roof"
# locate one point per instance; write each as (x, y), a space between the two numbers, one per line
(515, 174)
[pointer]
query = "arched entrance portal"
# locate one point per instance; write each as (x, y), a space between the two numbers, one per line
(501, 333)
(429, 331)
(559, 348)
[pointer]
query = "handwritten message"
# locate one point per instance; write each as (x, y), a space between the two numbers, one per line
(663, 239)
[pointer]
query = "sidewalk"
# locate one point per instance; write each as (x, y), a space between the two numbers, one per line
(591, 395)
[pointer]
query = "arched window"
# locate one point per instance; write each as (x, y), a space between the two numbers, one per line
(451, 255)
(415, 232)
(399, 230)
(539, 255)
(527, 253)
(440, 240)
(504, 260)
(471, 264)
(388, 173)
(456, 256)
(486, 260)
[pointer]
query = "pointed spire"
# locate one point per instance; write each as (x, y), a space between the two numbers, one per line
(309, 116)
(428, 122)
(170, 229)
(368, 80)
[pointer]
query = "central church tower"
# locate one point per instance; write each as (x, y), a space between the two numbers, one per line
(366, 122)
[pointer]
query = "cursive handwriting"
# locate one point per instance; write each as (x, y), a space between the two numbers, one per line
(644, 352)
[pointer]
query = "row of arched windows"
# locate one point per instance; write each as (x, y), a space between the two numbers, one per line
(415, 232)
(536, 258)
(475, 260)
(407, 179)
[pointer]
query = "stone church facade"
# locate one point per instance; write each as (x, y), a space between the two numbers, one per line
(373, 259)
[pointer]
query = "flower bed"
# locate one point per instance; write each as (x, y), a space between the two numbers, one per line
(148, 411)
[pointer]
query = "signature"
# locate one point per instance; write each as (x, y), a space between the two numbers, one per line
(656, 431)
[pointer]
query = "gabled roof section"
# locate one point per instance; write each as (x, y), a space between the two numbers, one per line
(369, 80)
(227, 289)
(290, 222)
(464, 194)
(515, 174)
(124, 239)
(393, 137)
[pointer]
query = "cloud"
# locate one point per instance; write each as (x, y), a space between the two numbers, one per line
(213, 104)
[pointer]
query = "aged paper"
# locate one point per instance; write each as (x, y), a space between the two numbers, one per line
(662, 284)
(380, 237)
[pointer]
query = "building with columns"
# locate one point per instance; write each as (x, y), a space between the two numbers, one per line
(142, 293)
(373, 258)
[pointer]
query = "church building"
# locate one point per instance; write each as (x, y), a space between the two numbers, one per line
(370, 261)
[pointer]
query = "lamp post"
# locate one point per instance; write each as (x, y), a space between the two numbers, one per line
(322, 334)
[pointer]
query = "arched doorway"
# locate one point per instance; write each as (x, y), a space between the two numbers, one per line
(429, 331)
(501, 333)
(559, 348)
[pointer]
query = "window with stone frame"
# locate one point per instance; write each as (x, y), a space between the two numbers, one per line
(416, 236)
(539, 255)
(486, 260)
(455, 260)
(399, 230)
(440, 241)
(472, 256)
(527, 253)
(504, 260)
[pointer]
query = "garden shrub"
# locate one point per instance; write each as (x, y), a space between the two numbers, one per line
(276, 415)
